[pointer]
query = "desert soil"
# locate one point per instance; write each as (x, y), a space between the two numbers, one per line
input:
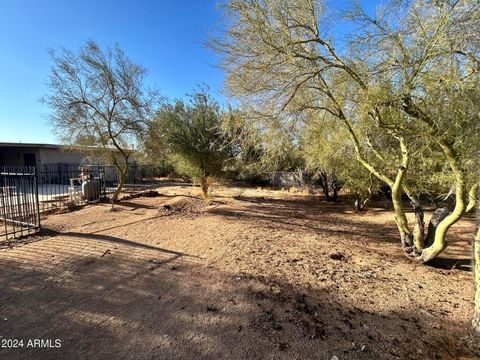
(255, 274)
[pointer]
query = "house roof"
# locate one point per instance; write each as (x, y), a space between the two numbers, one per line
(29, 145)
(43, 146)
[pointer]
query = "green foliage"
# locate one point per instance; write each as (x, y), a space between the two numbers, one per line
(257, 148)
(328, 153)
(190, 136)
(403, 87)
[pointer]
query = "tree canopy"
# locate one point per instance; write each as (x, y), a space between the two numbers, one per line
(403, 86)
(190, 134)
(98, 99)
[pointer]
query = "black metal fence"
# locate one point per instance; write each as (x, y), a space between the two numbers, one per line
(25, 192)
(19, 210)
(66, 185)
(62, 186)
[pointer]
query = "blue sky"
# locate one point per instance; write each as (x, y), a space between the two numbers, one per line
(167, 37)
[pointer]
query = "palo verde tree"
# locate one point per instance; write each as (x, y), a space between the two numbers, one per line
(257, 149)
(432, 75)
(245, 142)
(327, 151)
(193, 138)
(410, 74)
(280, 65)
(281, 60)
(98, 99)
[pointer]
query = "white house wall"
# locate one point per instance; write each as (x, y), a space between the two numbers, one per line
(54, 156)
(14, 156)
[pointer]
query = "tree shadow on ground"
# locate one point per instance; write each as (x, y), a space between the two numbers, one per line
(144, 304)
(135, 205)
(310, 215)
(115, 240)
(463, 264)
(108, 297)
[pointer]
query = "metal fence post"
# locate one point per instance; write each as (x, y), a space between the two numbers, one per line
(37, 202)
(4, 210)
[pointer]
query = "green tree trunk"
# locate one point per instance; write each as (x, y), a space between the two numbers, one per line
(437, 217)
(396, 186)
(408, 240)
(472, 198)
(439, 238)
(419, 228)
(476, 258)
(406, 236)
(363, 197)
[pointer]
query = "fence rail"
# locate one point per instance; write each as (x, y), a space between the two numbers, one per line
(19, 211)
(64, 185)
(25, 192)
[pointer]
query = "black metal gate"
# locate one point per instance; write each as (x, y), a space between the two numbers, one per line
(19, 206)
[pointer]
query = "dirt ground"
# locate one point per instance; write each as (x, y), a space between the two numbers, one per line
(253, 275)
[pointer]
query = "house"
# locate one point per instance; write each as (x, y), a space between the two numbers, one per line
(24, 154)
